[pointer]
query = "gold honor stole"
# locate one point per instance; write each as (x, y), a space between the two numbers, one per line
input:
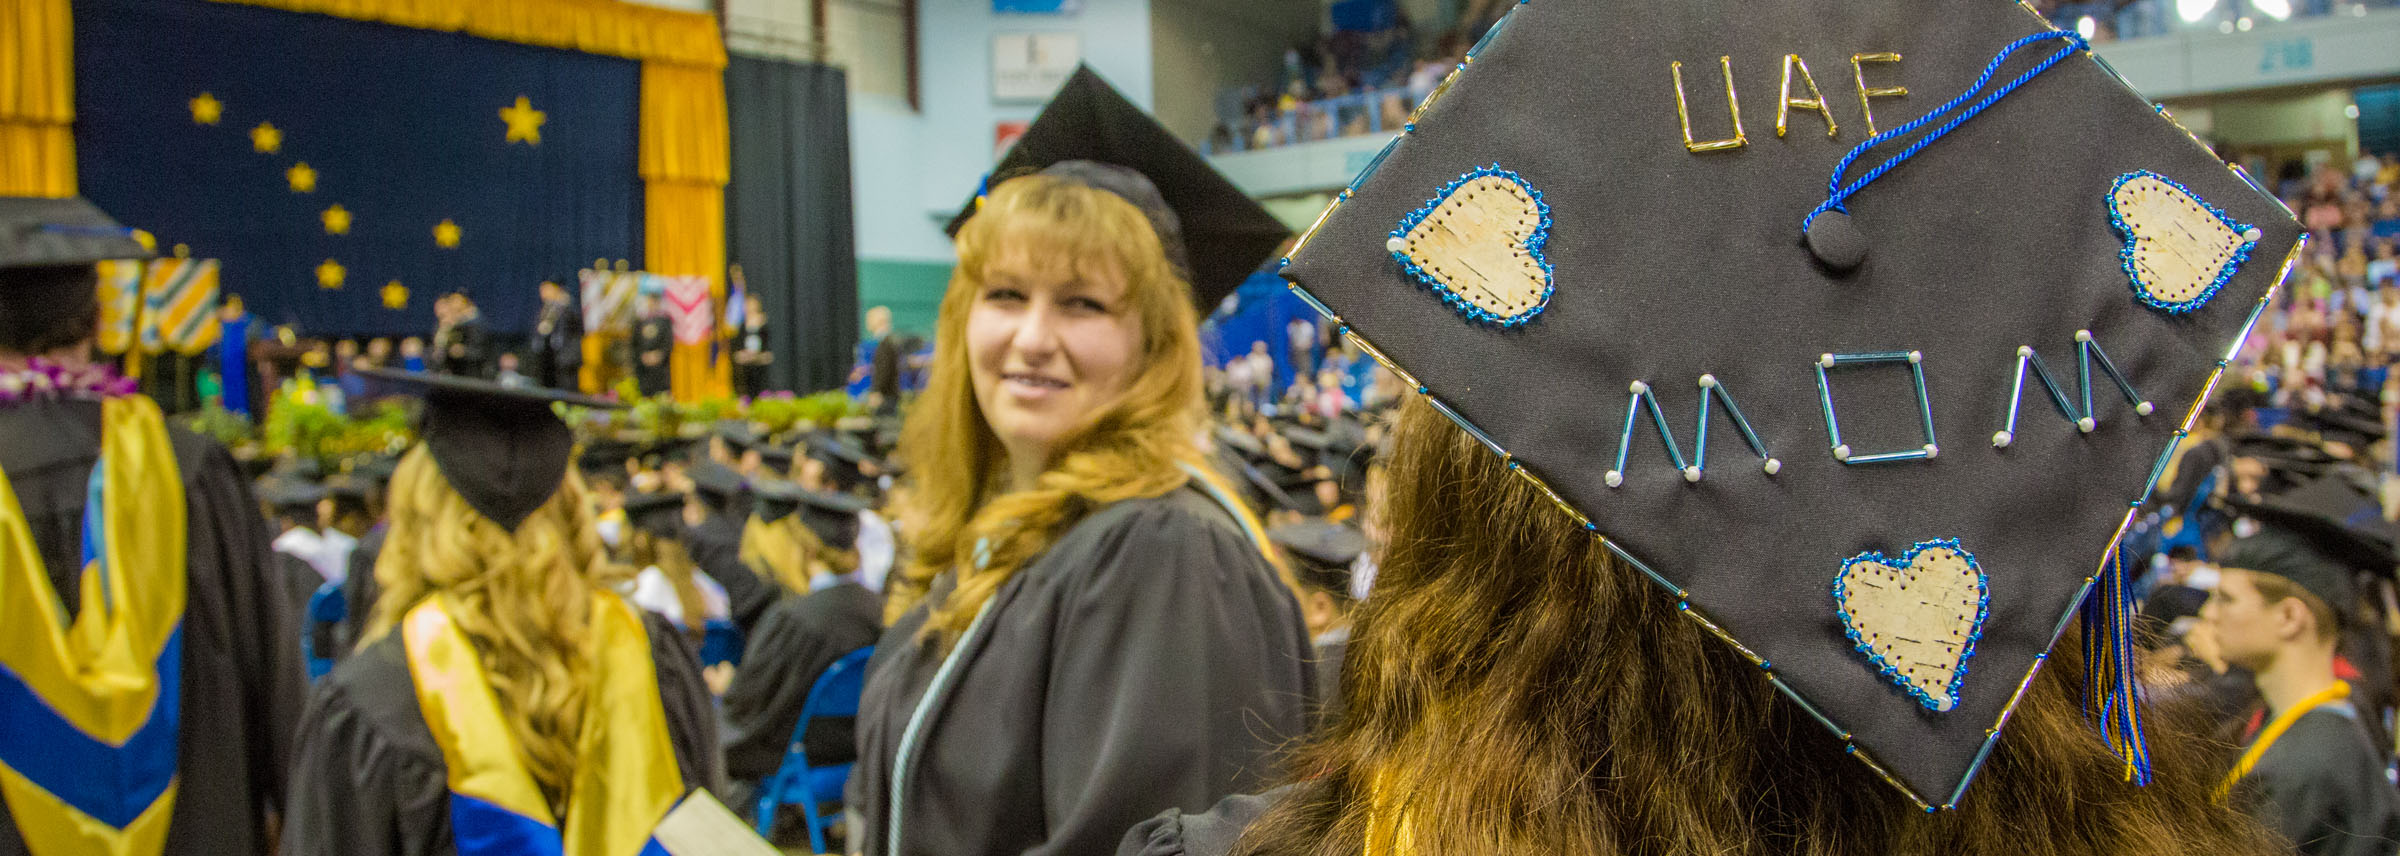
(89, 708)
(626, 778)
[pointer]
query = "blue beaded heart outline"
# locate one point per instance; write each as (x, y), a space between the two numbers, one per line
(2133, 276)
(1533, 245)
(1891, 672)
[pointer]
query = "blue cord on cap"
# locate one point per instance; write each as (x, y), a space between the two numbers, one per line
(1836, 193)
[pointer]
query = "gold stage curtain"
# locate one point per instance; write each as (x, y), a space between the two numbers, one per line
(685, 160)
(609, 27)
(37, 98)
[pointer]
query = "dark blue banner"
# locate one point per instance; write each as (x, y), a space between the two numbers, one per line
(349, 173)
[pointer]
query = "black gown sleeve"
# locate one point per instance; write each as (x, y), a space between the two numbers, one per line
(1180, 667)
(691, 712)
(365, 784)
(265, 634)
(1174, 833)
(762, 706)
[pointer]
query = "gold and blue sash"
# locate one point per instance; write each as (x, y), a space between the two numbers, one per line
(89, 707)
(626, 777)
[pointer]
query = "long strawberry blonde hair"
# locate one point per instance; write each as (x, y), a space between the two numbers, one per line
(522, 598)
(1144, 444)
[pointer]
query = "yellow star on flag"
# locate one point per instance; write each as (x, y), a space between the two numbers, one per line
(330, 274)
(395, 295)
(524, 122)
(266, 139)
(445, 235)
(206, 109)
(337, 220)
(303, 177)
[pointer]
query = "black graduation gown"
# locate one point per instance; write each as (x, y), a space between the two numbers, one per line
(368, 780)
(466, 349)
(716, 547)
(2322, 786)
(360, 590)
(795, 641)
(750, 379)
(242, 680)
(1151, 659)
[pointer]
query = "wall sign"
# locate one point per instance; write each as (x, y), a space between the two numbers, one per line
(1031, 66)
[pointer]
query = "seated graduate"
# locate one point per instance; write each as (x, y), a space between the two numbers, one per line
(2285, 593)
(506, 701)
(831, 614)
(300, 555)
(1321, 554)
(669, 582)
(723, 503)
(149, 665)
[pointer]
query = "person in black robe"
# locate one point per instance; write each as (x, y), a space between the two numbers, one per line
(369, 777)
(463, 344)
(1320, 554)
(754, 348)
(716, 543)
(792, 646)
(241, 676)
(557, 346)
(653, 347)
(2311, 773)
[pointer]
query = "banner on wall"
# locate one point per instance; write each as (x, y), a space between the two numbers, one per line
(347, 172)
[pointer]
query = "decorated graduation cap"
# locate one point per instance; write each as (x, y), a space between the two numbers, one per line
(1091, 134)
(1861, 329)
(501, 446)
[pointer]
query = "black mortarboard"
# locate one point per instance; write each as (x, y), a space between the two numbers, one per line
(36, 232)
(833, 517)
(1089, 127)
(777, 499)
(2294, 553)
(501, 446)
(656, 513)
(288, 495)
(1546, 255)
(717, 484)
(777, 457)
(1321, 552)
(2355, 422)
(737, 434)
(2338, 516)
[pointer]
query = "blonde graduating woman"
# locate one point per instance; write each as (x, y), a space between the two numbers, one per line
(1088, 631)
(506, 700)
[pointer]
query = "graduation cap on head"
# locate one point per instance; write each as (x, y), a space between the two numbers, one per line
(777, 457)
(2353, 422)
(500, 445)
(2335, 517)
(1942, 340)
(833, 517)
(656, 513)
(717, 484)
(1321, 552)
(291, 496)
(777, 499)
(1090, 133)
(39, 232)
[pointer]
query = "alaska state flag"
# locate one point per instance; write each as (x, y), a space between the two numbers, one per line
(345, 173)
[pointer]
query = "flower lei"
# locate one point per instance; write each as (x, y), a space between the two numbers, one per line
(43, 380)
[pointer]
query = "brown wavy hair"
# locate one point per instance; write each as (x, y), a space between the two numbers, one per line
(1137, 446)
(1512, 687)
(522, 598)
(645, 549)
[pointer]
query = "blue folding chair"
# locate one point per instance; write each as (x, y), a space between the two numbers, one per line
(327, 609)
(720, 642)
(834, 695)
